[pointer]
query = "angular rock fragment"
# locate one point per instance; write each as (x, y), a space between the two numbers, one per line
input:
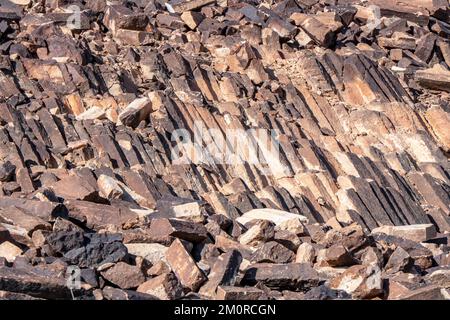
(192, 19)
(272, 252)
(239, 293)
(9, 251)
(337, 256)
(7, 170)
(6, 295)
(74, 187)
(288, 239)
(418, 233)
(363, 282)
(158, 269)
(164, 287)
(136, 112)
(224, 149)
(183, 6)
(124, 276)
(223, 273)
(422, 256)
(97, 215)
(305, 253)
(398, 261)
(109, 187)
(20, 218)
(426, 293)
(439, 277)
(153, 252)
(47, 211)
(292, 276)
(282, 219)
(191, 211)
(120, 17)
(261, 231)
(318, 31)
(110, 293)
(163, 229)
(37, 285)
(435, 78)
(438, 120)
(89, 249)
(398, 40)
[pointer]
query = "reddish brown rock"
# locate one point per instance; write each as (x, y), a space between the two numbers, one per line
(261, 231)
(38, 284)
(136, 112)
(184, 267)
(272, 252)
(9, 251)
(293, 276)
(319, 32)
(192, 18)
(47, 211)
(98, 215)
(426, 293)
(7, 170)
(239, 293)
(338, 256)
(164, 287)
(183, 141)
(362, 282)
(435, 78)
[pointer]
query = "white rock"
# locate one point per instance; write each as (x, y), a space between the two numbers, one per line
(9, 251)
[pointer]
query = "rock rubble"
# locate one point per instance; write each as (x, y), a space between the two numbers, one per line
(97, 174)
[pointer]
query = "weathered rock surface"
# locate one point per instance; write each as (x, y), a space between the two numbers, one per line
(363, 282)
(184, 266)
(225, 149)
(292, 276)
(124, 276)
(165, 287)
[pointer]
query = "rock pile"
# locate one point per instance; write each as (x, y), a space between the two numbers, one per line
(103, 196)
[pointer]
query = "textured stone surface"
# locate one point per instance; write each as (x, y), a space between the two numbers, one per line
(293, 276)
(124, 276)
(418, 233)
(164, 287)
(360, 281)
(184, 267)
(225, 149)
